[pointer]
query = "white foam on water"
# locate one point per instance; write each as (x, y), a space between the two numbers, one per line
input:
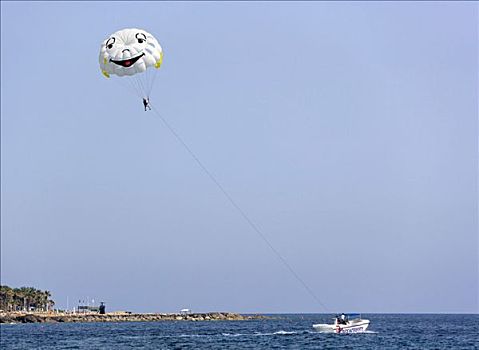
(232, 335)
(259, 334)
(192, 335)
(324, 332)
(281, 332)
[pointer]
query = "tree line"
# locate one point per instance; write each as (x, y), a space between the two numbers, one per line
(25, 299)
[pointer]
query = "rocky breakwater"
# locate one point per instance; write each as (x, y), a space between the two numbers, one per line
(16, 317)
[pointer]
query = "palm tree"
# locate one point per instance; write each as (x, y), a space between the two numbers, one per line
(6, 297)
(50, 304)
(46, 301)
(25, 298)
(20, 298)
(38, 300)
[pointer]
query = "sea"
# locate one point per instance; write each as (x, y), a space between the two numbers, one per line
(386, 331)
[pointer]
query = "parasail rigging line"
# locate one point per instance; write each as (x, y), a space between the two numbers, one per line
(238, 208)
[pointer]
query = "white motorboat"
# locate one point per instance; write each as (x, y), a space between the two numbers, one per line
(347, 323)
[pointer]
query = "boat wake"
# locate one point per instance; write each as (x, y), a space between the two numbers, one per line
(259, 334)
(281, 332)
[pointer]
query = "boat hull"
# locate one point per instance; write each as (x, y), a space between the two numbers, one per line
(358, 326)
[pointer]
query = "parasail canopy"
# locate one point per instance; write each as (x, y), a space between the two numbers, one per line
(132, 53)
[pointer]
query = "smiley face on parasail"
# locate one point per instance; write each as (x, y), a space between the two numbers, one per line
(128, 52)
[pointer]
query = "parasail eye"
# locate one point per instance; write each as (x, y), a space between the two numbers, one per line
(110, 42)
(140, 37)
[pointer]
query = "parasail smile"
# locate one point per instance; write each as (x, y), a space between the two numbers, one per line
(127, 62)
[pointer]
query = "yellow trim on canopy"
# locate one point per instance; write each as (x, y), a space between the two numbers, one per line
(160, 61)
(105, 73)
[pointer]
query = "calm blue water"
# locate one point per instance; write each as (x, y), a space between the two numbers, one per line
(289, 332)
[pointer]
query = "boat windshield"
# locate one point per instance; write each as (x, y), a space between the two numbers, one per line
(352, 316)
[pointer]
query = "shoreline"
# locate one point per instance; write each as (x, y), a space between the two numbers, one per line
(34, 317)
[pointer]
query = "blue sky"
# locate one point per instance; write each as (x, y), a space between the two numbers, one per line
(346, 131)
